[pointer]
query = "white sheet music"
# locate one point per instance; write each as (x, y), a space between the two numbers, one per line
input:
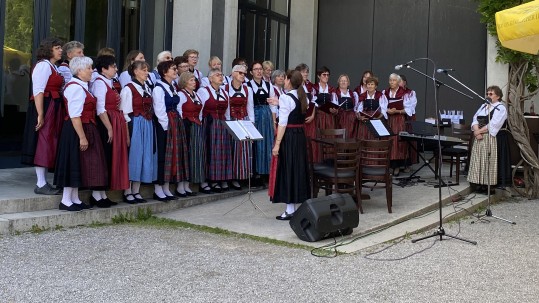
(380, 128)
(251, 130)
(243, 130)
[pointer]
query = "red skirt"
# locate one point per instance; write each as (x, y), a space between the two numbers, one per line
(310, 132)
(399, 149)
(119, 168)
(176, 154)
(93, 166)
(348, 121)
(48, 135)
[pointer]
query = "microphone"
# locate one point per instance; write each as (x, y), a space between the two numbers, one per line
(398, 67)
(444, 70)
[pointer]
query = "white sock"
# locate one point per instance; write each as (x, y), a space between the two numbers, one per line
(66, 196)
(128, 190)
(290, 208)
(40, 174)
(236, 183)
(136, 187)
(203, 184)
(224, 184)
(103, 194)
(166, 189)
(158, 190)
(97, 195)
(180, 188)
(186, 187)
(75, 196)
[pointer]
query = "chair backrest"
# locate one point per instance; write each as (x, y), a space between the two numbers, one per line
(375, 153)
(327, 150)
(462, 131)
(345, 156)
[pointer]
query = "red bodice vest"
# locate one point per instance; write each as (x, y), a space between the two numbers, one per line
(54, 84)
(142, 105)
(89, 108)
(191, 109)
(112, 98)
(215, 108)
(238, 104)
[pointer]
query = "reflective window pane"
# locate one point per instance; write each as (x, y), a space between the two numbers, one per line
(274, 41)
(62, 16)
(95, 29)
(282, 46)
(280, 6)
(262, 3)
(130, 27)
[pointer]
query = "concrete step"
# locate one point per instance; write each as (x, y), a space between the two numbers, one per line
(44, 219)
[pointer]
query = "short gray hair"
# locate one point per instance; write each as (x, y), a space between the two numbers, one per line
(79, 63)
(161, 56)
(276, 73)
(395, 76)
(71, 45)
(213, 71)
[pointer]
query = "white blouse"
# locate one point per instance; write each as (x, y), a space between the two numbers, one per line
(498, 118)
(99, 90)
(75, 97)
(286, 106)
(126, 97)
(250, 102)
(159, 106)
(40, 76)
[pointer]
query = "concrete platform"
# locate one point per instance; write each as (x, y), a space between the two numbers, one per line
(415, 208)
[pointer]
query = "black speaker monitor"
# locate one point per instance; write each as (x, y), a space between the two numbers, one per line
(324, 217)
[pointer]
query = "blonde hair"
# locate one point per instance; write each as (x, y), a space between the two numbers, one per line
(184, 78)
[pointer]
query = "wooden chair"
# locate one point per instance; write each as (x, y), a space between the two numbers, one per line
(374, 168)
(342, 176)
(327, 150)
(459, 154)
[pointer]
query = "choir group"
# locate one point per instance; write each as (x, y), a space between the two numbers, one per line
(101, 129)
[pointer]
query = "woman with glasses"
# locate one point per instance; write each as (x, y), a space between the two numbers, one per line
(262, 90)
(161, 57)
(347, 101)
(45, 115)
(182, 64)
(368, 108)
(137, 105)
(190, 109)
(241, 107)
(490, 132)
(192, 57)
(172, 155)
(113, 129)
(218, 142)
(323, 94)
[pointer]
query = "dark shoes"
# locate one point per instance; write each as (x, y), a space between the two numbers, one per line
(216, 188)
(236, 187)
(102, 203)
(205, 190)
(156, 197)
(139, 200)
(73, 207)
(83, 206)
(46, 189)
(284, 217)
(190, 193)
(178, 194)
(129, 201)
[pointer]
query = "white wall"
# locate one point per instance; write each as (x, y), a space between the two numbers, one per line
(303, 32)
(192, 29)
(231, 34)
(497, 73)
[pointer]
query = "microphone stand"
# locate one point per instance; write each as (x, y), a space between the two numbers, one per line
(488, 103)
(440, 231)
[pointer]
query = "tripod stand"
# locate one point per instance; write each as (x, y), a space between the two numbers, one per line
(488, 105)
(249, 177)
(440, 231)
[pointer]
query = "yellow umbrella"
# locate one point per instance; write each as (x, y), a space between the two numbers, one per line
(518, 27)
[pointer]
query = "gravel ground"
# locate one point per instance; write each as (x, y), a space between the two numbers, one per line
(125, 263)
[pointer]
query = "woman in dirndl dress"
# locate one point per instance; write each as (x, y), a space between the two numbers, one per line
(410, 102)
(241, 107)
(190, 109)
(172, 155)
(192, 57)
(218, 142)
(113, 129)
(264, 122)
(368, 108)
(81, 160)
(45, 115)
(490, 132)
(397, 112)
(132, 56)
(291, 183)
(347, 101)
(310, 124)
(323, 94)
(362, 87)
(137, 106)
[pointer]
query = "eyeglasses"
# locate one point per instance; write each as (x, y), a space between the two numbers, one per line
(218, 75)
(183, 66)
(257, 69)
(193, 57)
(173, 68)
(241, 73)
(325, 74)
(490, 94)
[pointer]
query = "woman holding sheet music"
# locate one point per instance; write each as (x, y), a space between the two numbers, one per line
(368, 108)
(323, 96)
(291, 178)
(347, 101)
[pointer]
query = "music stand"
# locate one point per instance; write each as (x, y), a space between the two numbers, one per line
(243, 130)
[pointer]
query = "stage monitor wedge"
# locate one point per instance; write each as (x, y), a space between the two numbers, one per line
(324, 217)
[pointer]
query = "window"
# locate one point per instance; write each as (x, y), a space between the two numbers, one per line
(262, 31)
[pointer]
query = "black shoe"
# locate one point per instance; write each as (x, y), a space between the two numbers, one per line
(84, 206)
(171, 198)
(73, 207)
(139, 200)
(156, 197)
(134, 201)
(46, 189)
(225, 188)
(190, 193)
(205, 190)
(237, 187)
(99, 203)
(216, 188)
(111, 203)
(178, 194)
(286, 216)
